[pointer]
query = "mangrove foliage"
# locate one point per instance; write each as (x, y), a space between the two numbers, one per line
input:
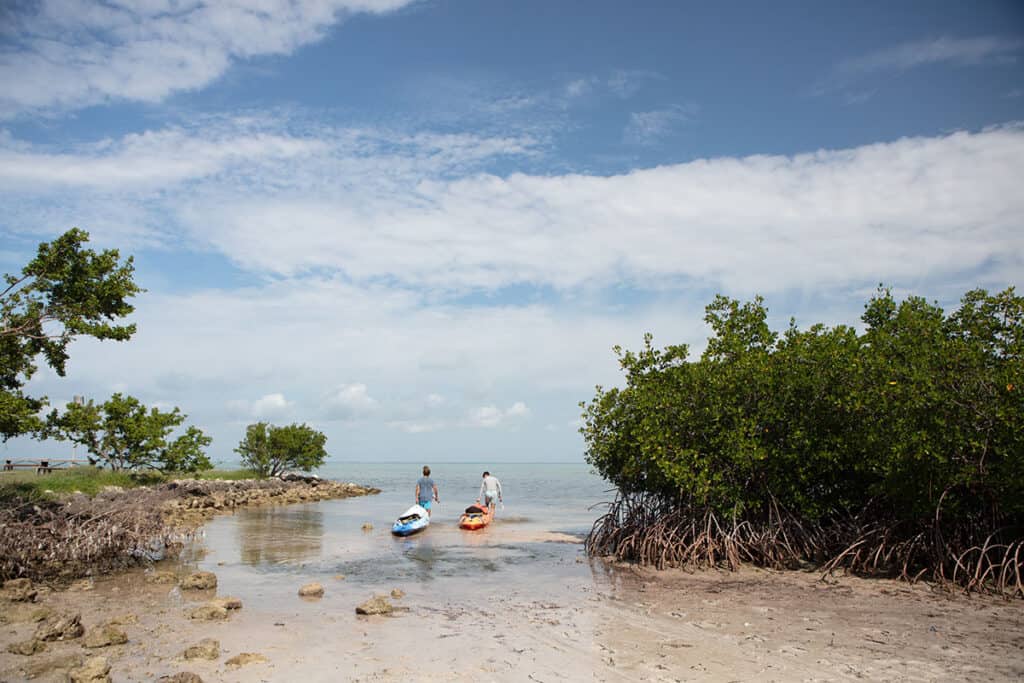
(893, 448)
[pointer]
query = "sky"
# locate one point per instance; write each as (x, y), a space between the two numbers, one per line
(420, 226)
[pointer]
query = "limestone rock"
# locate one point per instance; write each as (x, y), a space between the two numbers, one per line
(367, 527)
(245, 658)
(161, 577)
(18, 590)
(41, 667)
(312, 590)
(181, 677)
(378, 604)
(95, 670)
(228, 603)
(199, 581)
(208, 612)
(60, 627)
(27, 647)
(397, 593)
(124, 619)
(207, 648)
(105, 636)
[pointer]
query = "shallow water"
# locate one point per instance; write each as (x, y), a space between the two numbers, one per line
(263, 554)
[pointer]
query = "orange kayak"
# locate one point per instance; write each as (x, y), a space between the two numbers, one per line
(476, 517)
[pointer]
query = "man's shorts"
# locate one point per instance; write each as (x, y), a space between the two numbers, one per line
(490, 497)
(425, 504)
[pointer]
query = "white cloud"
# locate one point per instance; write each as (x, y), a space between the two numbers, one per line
(76, 53)
(416, 213)
(349, 402)
(493, 416)
(268, 407)
(963, 51)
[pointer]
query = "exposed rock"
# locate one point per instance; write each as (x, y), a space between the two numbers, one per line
(21, 612)
(245, 658)
(295, 476)
(124, 619)
(40, 667)
(378, 604)
(339, 577)
(60, 627)
(207, 648)
(199, 581)
(27, 647)
(82, 585)
(18, 590)
(161, 577)
(95, 670)
(397, 593)
(227, 603)
(367, 526)
(181, 677)
(311, 590)
(104, 636)
(208, 612)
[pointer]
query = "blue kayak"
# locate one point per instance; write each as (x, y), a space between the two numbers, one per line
(412, 521)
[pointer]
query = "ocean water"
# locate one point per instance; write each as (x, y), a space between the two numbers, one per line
(263, 553)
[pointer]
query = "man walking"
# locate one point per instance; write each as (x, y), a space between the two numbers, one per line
(490, 490)
(425, 490)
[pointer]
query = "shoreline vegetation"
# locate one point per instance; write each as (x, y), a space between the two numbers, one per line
(896, 451)
(86, 521)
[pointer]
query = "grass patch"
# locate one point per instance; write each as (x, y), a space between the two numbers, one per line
(27, 485)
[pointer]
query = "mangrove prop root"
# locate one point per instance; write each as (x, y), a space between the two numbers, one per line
(648, 530)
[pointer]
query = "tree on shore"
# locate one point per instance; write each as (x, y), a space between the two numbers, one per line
(898, 450)
(66, 291)
(123, 434)
(269, 450)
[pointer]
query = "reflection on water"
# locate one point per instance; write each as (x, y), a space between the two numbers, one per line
(275, 536)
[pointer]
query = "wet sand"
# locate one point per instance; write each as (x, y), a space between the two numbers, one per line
(516, 603)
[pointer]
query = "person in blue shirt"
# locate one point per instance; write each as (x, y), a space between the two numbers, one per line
(425, 490)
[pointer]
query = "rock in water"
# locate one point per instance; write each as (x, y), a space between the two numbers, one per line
(18, 590)
(208, 612)
(60, 627)
(245, 658)
(367, 527)
(104, 636)
(161, 577)
(181, 677)
(311, 590)
(27, 647)
(378, 604)
(397, 593)
(227, 603)
(95, 670)
(207, 648)
(199, 581)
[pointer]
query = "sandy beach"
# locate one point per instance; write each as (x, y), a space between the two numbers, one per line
(618, 625)
(559, 617)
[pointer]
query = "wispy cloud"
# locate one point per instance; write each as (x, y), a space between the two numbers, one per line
(963, 51)
(647, 127)
(76, 53)
(850, 77)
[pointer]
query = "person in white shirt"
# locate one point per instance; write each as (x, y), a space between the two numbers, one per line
(490, 490)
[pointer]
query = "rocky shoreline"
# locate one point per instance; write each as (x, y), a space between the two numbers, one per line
(194, 501)
(79, 535)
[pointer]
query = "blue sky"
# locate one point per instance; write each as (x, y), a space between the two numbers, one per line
(421, 226)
